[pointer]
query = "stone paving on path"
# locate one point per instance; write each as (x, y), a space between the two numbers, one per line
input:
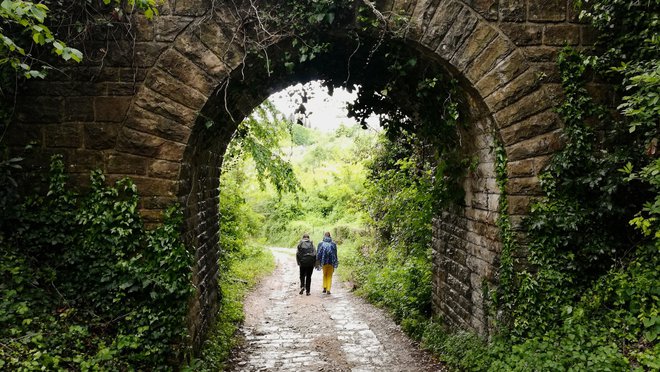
(285, 331)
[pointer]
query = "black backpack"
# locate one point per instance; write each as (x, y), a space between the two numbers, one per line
(306, 253)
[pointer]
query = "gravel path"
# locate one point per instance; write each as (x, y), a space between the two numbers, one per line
(285, 331)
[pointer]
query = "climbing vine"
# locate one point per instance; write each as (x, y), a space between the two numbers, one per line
(503, 299)
(84, 285)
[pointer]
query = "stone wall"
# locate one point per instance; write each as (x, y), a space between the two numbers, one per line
(466, 244)
(138, 107)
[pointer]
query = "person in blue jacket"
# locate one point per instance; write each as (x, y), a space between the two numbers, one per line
(327, 258)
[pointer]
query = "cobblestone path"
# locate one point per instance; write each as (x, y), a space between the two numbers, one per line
(285, 331)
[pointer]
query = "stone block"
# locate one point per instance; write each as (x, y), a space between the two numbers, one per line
(163, 83)
(525, 107)
(148, 186)
(460, 272)
(505, 95)
(171, 151)
(50, 109)
(404, 7)
(187, 72)
(527, 167)
(164, 169)
(146, 54)
(100, 136)
(519, 204)
(214, 64)
(157, 202)
(508, 70)
(562, 34)
(63, 135)
(483, 250)
(138, 143)
(111, 109)
(130, 75)
(523, 34)
(528, 186)
(481, 215)
(541, 53)
(538, 124)
(421, 17)
(120, 163)
(548, 72)
(487, 8)
(460, 29)
(454, 315)
(167, 28)
(191, 7)
(489, 58)
(165, 107)
(84, 161)
(482, 35)
(441, 23)
(151, 216)
(547, 10)
(462, 289)
(78, 109)
(147, 122)
(128, 54)
(121, 89)
(545, 144)
(144, 28)
(512, 10)
(489, 231)
(454, 252)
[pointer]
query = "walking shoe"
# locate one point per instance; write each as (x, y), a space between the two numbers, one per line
(328, 292)
(324, 290)
(302, 290)
(308, 293)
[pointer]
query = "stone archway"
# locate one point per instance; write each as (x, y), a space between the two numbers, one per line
(144, 117)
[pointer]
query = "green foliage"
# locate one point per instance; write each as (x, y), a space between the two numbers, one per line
(242, 271)
(331, 172)
(29, 18)
(259, 135)
(590, 296)
(84, 285)
(24, 26)
(301, 136)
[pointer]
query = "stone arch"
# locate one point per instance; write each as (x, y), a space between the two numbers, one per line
(155, 133)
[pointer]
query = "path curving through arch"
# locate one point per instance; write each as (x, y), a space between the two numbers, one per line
(285, 331)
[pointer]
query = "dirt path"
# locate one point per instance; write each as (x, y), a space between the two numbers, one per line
(285, 331)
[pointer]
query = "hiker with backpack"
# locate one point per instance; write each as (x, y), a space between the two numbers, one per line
(306, 258)
(327, 258)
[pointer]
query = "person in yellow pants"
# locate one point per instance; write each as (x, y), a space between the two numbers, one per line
(327, 257)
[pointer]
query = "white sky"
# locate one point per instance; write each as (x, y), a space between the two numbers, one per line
(325, 112)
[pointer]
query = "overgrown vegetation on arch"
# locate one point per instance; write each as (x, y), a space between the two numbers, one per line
(582, 227)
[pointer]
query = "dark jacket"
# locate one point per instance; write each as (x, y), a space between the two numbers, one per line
(306, 254)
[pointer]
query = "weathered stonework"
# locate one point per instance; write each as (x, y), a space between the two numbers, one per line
(139, 108)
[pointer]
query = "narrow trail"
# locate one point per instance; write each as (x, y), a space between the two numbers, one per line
(285, 331)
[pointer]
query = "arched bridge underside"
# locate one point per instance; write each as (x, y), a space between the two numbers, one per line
(141, 111)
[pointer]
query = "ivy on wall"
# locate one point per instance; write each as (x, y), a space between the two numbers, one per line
(85, 286)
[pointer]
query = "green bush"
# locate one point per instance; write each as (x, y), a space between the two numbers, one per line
(85, 286)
